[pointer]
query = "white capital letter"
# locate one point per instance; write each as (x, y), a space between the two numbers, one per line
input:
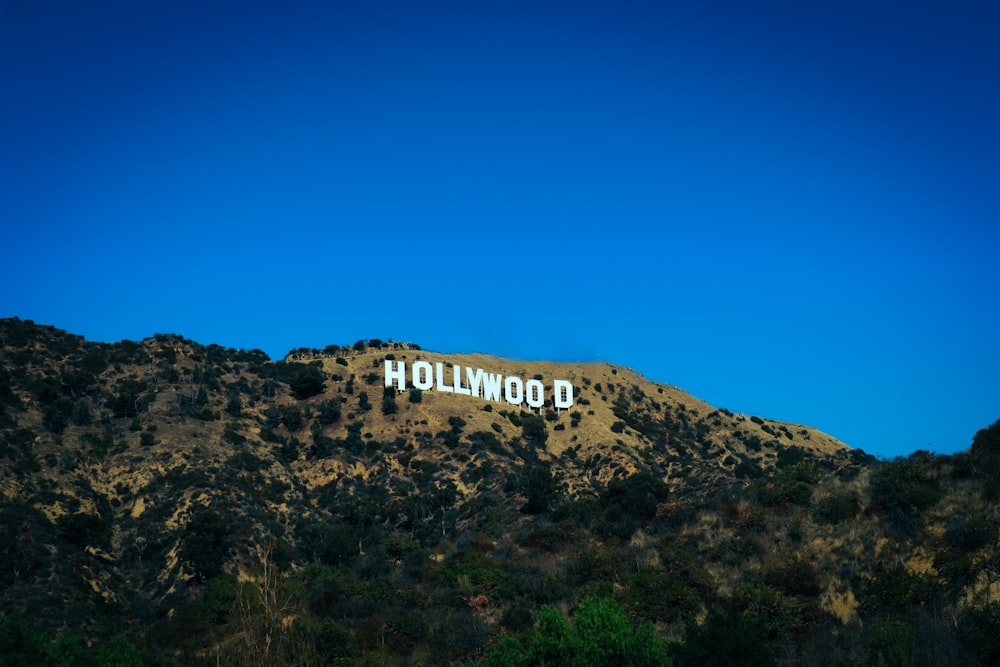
(491, 386)
(423, 379)
(535, 392)
(441, 386)
(563, 394)
(513, 389)
(395, 371)
(457, 379)
(474, 378)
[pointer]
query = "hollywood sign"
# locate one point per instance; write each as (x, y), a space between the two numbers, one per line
(487, 386)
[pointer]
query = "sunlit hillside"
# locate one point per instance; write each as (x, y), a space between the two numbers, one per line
(171, 503)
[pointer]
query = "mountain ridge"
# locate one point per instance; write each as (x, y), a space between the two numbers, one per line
(160, 486)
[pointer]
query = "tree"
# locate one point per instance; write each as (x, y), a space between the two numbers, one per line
(65, 651)
(980, 628)
(205, 541)
(540, 488)
(266, 607)
(986, 442)
(291, 417)
(725, 638)
(120, 653)
(304, 380)
(83, 530)
(533, 429)
(891, 643)
(601, 635)
(906, 485)
(985, 454)
(329, 412)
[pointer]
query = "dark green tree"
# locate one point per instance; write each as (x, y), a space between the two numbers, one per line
(304, 380)
(540, 488)
(329, 412)
(533, 429)
(84, 529)
(205, 541)
(985, 454)
(980, 628)
(601, 635)
(120, 653)
(725, 638)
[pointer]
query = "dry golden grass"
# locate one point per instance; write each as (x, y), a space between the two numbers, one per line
(621, 452)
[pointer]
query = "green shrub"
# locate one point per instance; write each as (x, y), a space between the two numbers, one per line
(120, 653)
(205, 541)
(232, 435)
(601, 634)
(304, 380)
(533, 429)
(389, 406)
(83, 529)
(895, 590)
(329, 412)
(980, 628)
(726, 638)
(837, 507)
(789, 456)
(907, 485)
(292, 418)
(540, 488)
(891, 643)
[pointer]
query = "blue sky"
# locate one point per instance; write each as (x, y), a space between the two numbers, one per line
(788, 209)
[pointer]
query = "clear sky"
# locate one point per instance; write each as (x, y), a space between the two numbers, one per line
(789, 209)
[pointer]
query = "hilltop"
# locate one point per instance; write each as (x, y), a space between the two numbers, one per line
(190, 500)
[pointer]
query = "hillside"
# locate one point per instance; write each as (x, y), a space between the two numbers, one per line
(177, 503)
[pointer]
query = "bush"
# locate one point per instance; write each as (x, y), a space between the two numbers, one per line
(19, 646)
(120, 653)
(83, 530)
(303, 380)
(533, 429)
(986, 443)
(539, 487)
(797, 577)
(389, 406)
(726, 638)
(792, 484)
(789, 456)
(906, 485)
(837, 507)
(890, 643)
(601, 634)
(205, 541)
(980, 628)
(897, 589)
(329, 412)
(291, 417)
